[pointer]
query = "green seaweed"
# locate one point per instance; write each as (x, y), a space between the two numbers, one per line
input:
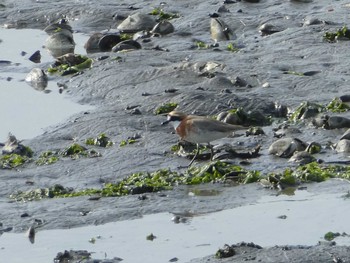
(329, 236)
(288, 178)
(101, 140)
(47, 158)
(231, 47)
(343, 32)
(306, 109)
(143, 182)
(13, 160)
(27, 152)
(336, 105)
(126, 142)
(166, 108)
(175, 148)
(125, 36)
(76, 150)
(214, 172)
(314, 148)
(40, 193)
(163, 15)
(65, 69)
(201, 45)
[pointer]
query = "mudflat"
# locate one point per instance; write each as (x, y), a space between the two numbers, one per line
(292, 64)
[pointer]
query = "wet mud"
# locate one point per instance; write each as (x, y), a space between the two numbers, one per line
(118, 83)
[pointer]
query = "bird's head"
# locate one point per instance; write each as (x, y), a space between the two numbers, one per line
(174, 117)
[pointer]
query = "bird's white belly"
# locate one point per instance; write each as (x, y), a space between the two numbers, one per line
(205, 136)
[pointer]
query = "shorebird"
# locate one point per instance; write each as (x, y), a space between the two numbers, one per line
(199, 129)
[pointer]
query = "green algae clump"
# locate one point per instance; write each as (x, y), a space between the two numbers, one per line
(126, 142)
(231, 47)
(70, 64)
(47, 158)
(76, 150)
(144, 182)
(13, 160)
(163, 15)
(329, 236)
(40, 193)
(306, 110)
(213, 172)
(336, 105)
(340, 34)
(166, 108)
(101, 140)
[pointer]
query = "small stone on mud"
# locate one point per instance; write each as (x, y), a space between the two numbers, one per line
(25, 215)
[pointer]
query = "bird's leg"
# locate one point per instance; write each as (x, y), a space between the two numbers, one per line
(195, 156)
(211, 151)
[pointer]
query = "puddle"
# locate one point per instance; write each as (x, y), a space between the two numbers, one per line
(302, 219)
(24, 110)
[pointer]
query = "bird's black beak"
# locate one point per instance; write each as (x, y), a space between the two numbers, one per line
(165, 122)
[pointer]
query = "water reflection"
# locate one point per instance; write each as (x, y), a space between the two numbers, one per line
(60, 40)
(27, 112)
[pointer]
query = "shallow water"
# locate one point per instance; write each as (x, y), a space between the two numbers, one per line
(308, 216)
(26, 111)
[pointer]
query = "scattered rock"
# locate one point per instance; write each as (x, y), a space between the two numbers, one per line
(219, 30)
(36, 57)
(286, 147)
(37, 78)
(137, 22)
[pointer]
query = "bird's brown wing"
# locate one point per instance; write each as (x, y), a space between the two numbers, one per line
(214, 125)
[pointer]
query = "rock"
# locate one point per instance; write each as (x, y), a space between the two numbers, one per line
(285, 130)
(108, 41)
(37, 78)
(336, 122)
(163, 28)
(343, 146)
(14, 146)
(219, 30)
(312, 21)
(127, 45)
(36, 57)
(286, 147)
(302, 158)
(61, 25)
(268, 29)
(137, 22)
(223, 9)
(346, 135)
(92, 45)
